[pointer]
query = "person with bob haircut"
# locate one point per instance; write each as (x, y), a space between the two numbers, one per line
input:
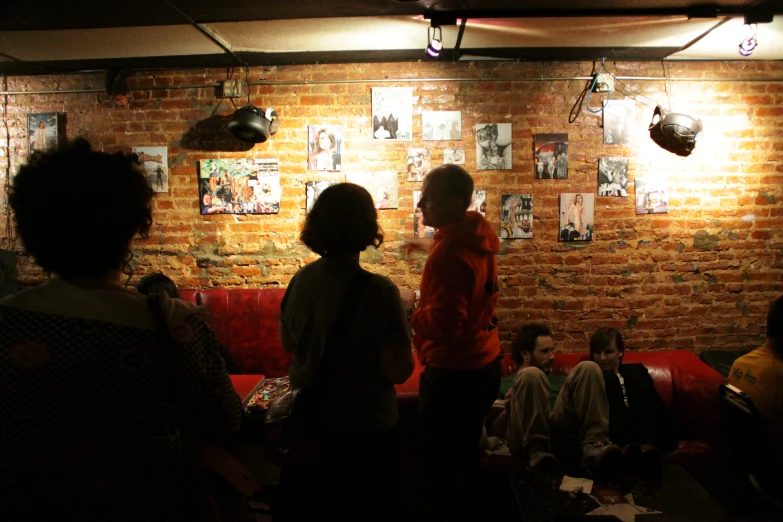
(357, 415)
(92, 397)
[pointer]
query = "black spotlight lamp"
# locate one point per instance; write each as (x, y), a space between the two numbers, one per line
(253, 125)
(675, 132)
(435, 41)
(748, 45)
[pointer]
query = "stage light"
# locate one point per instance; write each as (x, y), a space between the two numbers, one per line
(749, 44)
(434, 41)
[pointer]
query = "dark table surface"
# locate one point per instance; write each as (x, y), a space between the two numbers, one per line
(679, 498)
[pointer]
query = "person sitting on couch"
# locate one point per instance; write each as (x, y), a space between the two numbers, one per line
(579, 417)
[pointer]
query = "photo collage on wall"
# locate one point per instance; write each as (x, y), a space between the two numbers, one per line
(418, 164)
(493, 146)
(43, 132)
(239, 186)
(441, 125)
(392, 113)
(652, 196)
(516, 217)
(155, 161)
(576, 216)
(382, 186)
(324, 150)
(551, 156)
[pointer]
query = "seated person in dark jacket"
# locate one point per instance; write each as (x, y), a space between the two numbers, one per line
(638, 419)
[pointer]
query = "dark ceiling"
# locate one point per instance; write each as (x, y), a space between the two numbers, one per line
(24, 15)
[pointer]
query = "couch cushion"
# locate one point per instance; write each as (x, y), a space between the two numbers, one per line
(191, 296)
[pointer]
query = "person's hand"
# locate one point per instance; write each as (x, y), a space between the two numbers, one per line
(408, 298)
(508, 399)
(416, 245)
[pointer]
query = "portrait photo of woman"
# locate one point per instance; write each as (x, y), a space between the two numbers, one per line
(576, 217)
(324, 144)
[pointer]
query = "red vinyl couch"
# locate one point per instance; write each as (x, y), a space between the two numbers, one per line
(246, 322)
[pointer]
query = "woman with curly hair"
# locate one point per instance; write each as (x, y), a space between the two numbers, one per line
(95, 402)
(371, 351)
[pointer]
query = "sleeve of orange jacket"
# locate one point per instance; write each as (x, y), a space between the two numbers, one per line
(447, 289)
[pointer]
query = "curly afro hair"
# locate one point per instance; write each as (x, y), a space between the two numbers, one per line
(77, 210)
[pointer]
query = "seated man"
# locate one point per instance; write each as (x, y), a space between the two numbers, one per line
(760, 375)
(579, 417)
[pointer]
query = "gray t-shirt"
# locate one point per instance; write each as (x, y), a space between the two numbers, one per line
(358, 397)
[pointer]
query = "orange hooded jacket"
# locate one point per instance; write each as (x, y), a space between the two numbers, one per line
(455, 325)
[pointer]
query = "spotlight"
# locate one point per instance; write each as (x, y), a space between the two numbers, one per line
(748, 45)
(435, 41)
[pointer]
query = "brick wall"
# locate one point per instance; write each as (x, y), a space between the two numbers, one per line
(699, 277)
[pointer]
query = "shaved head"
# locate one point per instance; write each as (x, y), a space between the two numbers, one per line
(451, 181)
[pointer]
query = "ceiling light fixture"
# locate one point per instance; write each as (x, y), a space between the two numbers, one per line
(434, 41)
(748, 45)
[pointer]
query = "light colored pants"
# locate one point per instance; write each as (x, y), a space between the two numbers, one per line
(581, 413)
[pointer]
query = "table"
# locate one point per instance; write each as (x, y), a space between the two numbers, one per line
(679, 498)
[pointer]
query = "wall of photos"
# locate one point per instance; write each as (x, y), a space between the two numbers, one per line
(599, 225)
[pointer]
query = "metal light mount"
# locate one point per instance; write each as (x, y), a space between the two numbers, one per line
(434, 41)
(749, 44)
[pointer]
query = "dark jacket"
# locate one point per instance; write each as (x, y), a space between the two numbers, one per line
(645, 419)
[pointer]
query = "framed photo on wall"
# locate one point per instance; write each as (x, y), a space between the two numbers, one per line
(576, 216)
(43, 132)
(392, 113)
(551, 156)
(155, 161)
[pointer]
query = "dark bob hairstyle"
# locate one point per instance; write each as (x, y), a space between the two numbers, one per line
(77, 210)
(602, 338)
(343, 220)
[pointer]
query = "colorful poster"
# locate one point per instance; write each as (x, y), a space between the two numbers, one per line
(493, 146)
(155, 161)
(418, 163)
(516, 216)
(324, 150)
(42, 132)
(576, 216)
(392, 113)
(239, 186)
(382, 186)
(551, 156)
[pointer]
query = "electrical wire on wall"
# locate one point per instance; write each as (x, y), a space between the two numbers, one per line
(9, 240)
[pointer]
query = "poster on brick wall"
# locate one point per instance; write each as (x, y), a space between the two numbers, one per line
(551, 156)
(392, 113)
(478, 202)
(613, 177)
(453, 156)
(652, 196)
(441, 125)
(576, 216)
(418, 164)
(43, 132)
(155, 161)
(420, 231)
(493, 146)
(382, 186)
(619, 119)
(324, 151)
(314, 188)
(516, 216)
(239, 186)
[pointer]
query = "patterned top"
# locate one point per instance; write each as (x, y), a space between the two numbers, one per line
(90, 422)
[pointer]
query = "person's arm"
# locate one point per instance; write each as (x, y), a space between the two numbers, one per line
(421, 244)
(448, 287)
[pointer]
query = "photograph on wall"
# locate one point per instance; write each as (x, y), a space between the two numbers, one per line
(324, 149)
(652, 196)
(420, 231)
(42, 132)
(613, 177)
(441, 125)
(313, 190)
(382, 186)
(392, 113)
(551, 156)
(576, 216)
(493, 146)
(418, 164)
(479, 202)
(239, 186)
(619, 119)
(155, 161)
(516, 216)
(453, 156)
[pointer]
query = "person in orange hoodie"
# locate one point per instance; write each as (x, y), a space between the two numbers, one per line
(456, 337)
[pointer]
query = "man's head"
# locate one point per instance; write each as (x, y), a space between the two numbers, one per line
(775, 326)
(445, 195)
(535, 347)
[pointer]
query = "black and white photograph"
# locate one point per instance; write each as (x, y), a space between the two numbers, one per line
(576, 216)
(493, 146)
(479, 202)
(441, 125)
(392, 113)
(453, 156)
(314, 189)
(551, 156)
(324, 150)
(155, 161)
(382, 186)
(613, 177)
(652, 195)
(516, 216)
(42, 132)
(418, 163)
(619, 118)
